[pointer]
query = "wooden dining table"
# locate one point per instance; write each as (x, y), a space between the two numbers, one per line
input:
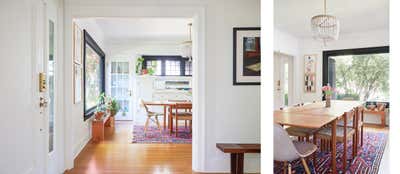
(316, 115)
(168, 105)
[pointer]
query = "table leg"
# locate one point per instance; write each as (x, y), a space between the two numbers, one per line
(165, 116)
(171, 123)
(333, 149)
(237, 163)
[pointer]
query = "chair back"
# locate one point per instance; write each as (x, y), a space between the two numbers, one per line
(183, 106)
(143, 104)
(284, 149)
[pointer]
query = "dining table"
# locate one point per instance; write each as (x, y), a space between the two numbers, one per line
(316, 115)
(167, 105)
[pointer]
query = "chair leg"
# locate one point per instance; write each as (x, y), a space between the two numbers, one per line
(298, 138)
(185, 124)
(362, 135)
(308, 138)
(305, 166)
(289, 168)
(315, 153)
(145, 125)
(158, 125)
(344, 154)
(176, 127)
(190, 124)
(285, 165)
(354, 146)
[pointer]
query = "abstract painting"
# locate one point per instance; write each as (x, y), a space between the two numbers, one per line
(310, 65)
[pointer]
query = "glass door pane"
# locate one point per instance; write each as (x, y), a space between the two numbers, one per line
(50, 79)
(120, 87)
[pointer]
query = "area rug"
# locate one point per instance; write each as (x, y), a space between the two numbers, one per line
(153, 136)
(367, 160)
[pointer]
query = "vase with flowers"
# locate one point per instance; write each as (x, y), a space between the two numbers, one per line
(328, 91)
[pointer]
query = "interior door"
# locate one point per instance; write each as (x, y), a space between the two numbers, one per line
(121, 88)
(283, 80)
(51, 113)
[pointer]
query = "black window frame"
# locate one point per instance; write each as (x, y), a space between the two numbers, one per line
(88, 40)
(343, 52)
(163, 59)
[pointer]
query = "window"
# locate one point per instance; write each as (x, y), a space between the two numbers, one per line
(188, 68)
(93, 69)
(358, 74)
(172, 67)
(168, 65)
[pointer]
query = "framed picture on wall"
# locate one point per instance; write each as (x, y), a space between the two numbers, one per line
(246, 56)
(77, 83)
(77, 44)
(310, 66)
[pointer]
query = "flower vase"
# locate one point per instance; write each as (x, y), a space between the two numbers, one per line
(327, 101)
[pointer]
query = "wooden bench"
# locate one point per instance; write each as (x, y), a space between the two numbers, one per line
(237, 152)
(99, 125)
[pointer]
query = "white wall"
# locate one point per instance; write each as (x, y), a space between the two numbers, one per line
(232, 113)
(346, 41)
(82, 129)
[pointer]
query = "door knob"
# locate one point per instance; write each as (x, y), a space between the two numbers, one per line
(43, 102)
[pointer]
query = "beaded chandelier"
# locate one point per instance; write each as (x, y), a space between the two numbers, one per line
(325, 27)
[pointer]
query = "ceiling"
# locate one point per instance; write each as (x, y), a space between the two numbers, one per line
(294, 16)
(141, 28)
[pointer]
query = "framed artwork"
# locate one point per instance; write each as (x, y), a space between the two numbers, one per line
(310, 66)
(77, 44)
(77, 83)
(246, 56)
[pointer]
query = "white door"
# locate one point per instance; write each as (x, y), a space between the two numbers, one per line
(121, 87)
(283, 80)
(52, 94)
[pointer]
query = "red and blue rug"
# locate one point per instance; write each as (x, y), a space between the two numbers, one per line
(153, 136)
(367, 160)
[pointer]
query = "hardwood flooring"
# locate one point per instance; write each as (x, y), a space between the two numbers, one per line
(117, 155)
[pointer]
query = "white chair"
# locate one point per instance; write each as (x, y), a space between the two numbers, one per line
(150, 116)
(287, 150)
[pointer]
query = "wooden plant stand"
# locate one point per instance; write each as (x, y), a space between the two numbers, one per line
(99, 125)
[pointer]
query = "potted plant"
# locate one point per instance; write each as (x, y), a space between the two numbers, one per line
(113, 106)
(139, 64)
(100, 109)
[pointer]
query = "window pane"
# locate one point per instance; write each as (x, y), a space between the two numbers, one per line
(188, 68)
(360, 77)
(155, 65)
(172, 67)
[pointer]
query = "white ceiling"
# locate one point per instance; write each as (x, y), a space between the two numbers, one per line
(293, 16)
(141, 28)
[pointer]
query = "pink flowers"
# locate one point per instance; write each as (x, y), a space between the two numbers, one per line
(328, 90)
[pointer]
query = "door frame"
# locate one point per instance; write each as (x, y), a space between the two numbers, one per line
(197, 13)
(279, 61)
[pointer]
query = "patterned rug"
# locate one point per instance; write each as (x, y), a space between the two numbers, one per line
(153, 136)
(367, 160)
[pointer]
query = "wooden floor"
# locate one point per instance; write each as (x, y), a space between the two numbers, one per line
(118, 155)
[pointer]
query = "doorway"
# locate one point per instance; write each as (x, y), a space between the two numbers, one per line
(283, 80)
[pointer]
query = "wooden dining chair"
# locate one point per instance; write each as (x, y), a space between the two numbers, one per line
(286, 150)
(183, 111)
(343, 133)
(151, 116)
(359, 120)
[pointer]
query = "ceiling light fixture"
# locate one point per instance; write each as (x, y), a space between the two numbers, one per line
(325, 27)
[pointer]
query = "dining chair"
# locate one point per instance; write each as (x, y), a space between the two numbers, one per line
(359, 118)
(186, 114)
(286, 150)
(185, 110)
(343, 134)
(150, 116)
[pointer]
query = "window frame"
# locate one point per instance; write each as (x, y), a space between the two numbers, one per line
(163, 59)
(344, 52)
(88, 40)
